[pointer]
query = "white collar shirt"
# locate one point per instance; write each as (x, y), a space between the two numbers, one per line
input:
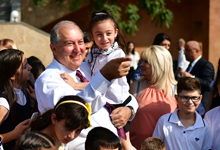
(193, 63)
(212, 117)
(50, 87)
(176, 137)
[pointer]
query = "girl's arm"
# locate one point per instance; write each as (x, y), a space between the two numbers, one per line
(69, 80)
(14, 134)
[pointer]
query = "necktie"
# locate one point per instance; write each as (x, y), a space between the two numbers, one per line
(81, 77)
(188, 67)
(110, 108)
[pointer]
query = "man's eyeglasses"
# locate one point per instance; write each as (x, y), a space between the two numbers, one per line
(187, 98)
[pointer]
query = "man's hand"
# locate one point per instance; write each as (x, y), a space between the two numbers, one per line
(120, 116)
(185, 74)
(116, 68)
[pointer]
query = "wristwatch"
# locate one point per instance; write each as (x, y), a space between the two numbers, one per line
(132, 110)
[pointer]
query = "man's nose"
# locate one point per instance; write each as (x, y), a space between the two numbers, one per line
(77, 48)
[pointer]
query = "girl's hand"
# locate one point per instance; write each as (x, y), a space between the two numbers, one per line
(31, 91)
(68, 79)
(21, 128)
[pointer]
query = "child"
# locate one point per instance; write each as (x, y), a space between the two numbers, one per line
(212, 117)
(35, 141)
(185, 128)
(107, 37)
(153, 143)
(65, 122)
(100, 138)
(15, 108)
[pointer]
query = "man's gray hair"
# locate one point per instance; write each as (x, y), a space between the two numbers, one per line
(54, 35)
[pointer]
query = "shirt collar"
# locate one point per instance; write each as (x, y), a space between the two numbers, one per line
(195, 61)
(199, 123)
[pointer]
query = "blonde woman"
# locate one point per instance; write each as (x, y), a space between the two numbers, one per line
(153, 92)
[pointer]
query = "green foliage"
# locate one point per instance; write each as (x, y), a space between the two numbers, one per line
(160, 15)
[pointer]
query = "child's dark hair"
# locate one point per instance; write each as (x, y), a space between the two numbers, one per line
(34, 141)
(37, 69)
(101, 137)
(133, 50)
(86, 37)
(74, 114)
(215, 90)
(10, 61)
(153, 143)
(188, 84)
(160, 37)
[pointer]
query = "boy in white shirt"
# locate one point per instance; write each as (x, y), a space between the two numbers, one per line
(184, 129)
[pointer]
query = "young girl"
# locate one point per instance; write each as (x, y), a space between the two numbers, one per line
(65, 122)
(108, 43)
(35, 141)
(15, 109)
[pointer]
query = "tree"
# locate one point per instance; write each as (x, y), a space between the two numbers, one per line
(155, 8)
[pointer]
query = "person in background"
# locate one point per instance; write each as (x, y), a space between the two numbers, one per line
(7, 44)
(35, 141)
(130, 52)
(182, 62)
(161, 39)
(100, 138)
(214, 99)
(201, 69)
(153, 143)
(88, 42)
(212, 117)
(154, 92)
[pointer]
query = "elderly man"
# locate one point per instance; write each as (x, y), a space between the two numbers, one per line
(68, 50)
(199, 68)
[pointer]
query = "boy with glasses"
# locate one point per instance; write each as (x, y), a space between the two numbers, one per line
(184, 128)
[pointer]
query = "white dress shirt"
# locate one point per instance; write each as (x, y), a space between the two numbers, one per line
(50, 87)
(212, 117)
(182, 62)
(193, 63)
(119, 85)
(135, 58)
(176, 137)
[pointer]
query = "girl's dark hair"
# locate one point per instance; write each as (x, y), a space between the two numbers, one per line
(37, 69)
(101, 137)
(133, 51)
(160, 37)
(10, 61)
(74, 114)
(34, 141)
(215, 90)
(97, 17)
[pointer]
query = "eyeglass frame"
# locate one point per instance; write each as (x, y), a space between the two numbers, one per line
(190, 98)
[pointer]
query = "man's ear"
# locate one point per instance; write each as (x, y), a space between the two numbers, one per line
(53, 49)
(53, 118)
